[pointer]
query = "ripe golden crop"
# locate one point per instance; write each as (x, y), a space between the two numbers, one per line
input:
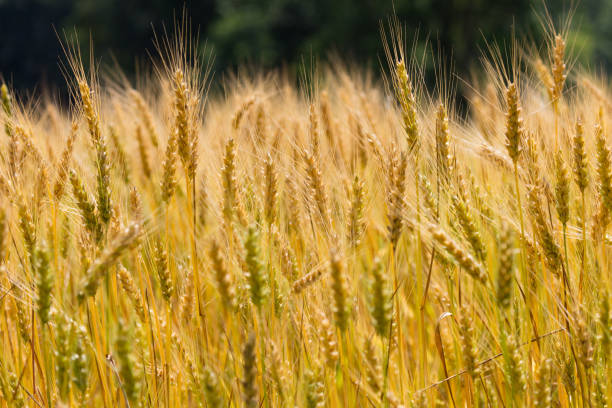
(356, 247)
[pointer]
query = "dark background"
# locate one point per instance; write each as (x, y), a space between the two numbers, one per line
(275, 33)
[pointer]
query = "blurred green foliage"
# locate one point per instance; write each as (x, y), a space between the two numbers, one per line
(273, 33)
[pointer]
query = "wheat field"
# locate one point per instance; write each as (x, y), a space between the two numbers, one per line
(352, 242)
